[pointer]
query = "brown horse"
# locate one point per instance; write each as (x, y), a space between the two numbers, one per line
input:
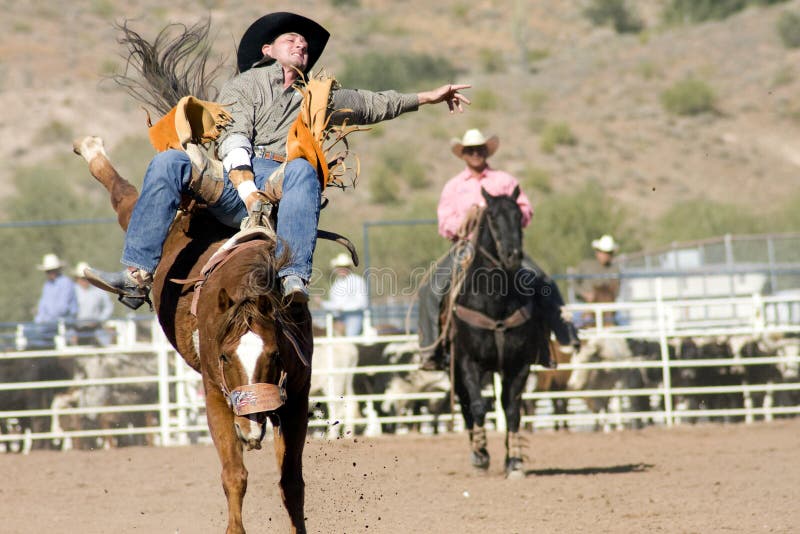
(247, 345)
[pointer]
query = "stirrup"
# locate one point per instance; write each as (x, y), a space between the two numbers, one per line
(135, 303)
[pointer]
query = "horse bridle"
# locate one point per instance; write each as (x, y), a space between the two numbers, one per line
(492, 232)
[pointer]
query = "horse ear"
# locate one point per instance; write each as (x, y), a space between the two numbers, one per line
(515, 193)
(224, 301)
(486, 196)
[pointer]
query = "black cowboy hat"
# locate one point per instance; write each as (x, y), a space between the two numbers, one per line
(269, 27)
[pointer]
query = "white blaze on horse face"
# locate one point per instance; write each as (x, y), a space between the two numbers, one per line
(250, 347)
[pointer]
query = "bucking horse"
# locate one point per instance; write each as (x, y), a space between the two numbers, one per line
(218, 299)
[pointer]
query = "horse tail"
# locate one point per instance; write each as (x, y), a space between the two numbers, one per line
(174, 65)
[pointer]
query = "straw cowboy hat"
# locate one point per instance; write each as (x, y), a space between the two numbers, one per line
(342, 260)
(605, 244)
(50, 262)
(79, 269)
(270, 26)
(474, 137)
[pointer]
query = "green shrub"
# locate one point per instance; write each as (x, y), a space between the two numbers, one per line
(398, 70)
(383, 187)
(555, 134)
(399, 165)
(54, 132)
(484, 100)
(491, 60)
(788, 26)
(536, 178)
(693, 11)
(346, 3)
(688, 97)
(564, 225)
(698, 219)
(617, 13)
(783, 76)
(55, 190)
(537, 54)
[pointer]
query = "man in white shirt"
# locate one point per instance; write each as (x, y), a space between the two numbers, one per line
(348, 295)
(94, 308)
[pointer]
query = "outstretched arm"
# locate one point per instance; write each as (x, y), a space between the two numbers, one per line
(446, 93)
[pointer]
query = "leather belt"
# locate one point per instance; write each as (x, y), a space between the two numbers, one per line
(262, 152)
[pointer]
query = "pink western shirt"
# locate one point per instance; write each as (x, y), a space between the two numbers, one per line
(463, 191)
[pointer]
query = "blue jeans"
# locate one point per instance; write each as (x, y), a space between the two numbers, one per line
(168, 176)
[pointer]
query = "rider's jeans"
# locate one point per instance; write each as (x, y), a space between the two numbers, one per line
(431, 295)
(168, 176)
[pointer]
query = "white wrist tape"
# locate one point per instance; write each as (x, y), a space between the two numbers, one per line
(236, 158)
(245, 188)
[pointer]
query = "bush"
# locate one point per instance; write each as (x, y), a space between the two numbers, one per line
(788, 27)
(688, 97)
(399, 165)
(400, 70)
(614, 12)
(564, 225)
(535, 178)
(707, 219)
(555, 134)
(491, 60)
(693, 11)
(484, 100)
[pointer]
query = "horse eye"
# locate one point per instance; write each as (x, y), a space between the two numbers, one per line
(223, 358)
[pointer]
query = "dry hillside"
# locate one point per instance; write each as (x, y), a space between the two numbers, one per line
(605, 87)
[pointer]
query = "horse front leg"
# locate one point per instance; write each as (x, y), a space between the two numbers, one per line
(230, 451)
(473, 408)
(511, 397)
(291, 426)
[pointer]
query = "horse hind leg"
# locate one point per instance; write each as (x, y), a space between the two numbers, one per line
(123, 194)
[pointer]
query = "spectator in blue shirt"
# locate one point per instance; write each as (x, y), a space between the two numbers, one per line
(57, 302)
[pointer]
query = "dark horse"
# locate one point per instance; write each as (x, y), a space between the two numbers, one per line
(496, 328)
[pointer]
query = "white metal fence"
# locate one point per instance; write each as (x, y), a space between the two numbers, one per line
(164, 400)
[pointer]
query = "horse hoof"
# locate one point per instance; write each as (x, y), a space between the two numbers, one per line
(480, 459)
(514, 469)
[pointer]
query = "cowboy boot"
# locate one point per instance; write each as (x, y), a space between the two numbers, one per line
(294, 289)
(133, 287)
(564, 330)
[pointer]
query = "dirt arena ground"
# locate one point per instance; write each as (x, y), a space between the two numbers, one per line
(709, 478)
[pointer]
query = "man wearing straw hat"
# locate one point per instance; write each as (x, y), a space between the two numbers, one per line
(602, 281)
(460, 199)
(56, 303)
(58, 300)
(348, 295)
